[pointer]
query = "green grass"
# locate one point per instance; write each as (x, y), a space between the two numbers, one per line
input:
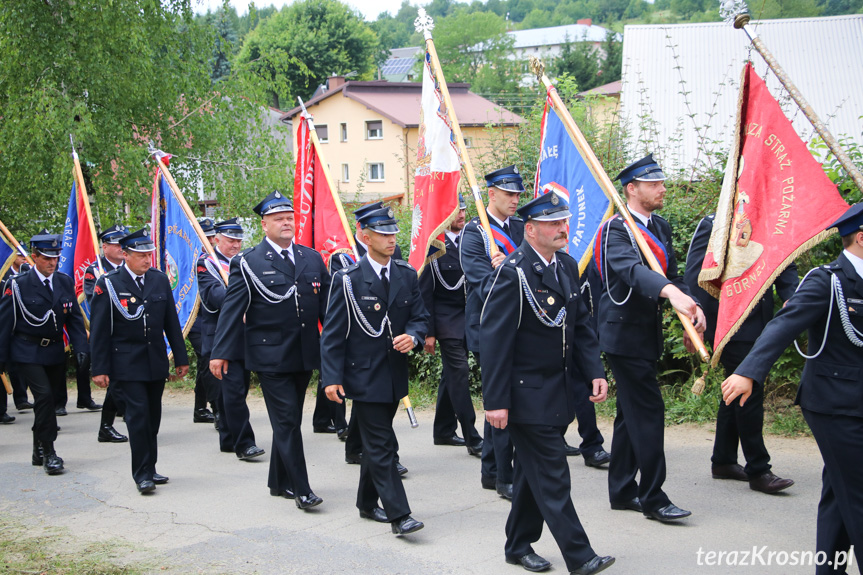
(22, 551)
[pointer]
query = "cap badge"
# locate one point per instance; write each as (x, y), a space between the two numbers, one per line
(278, 195)
(390, 213)
(554, 199)
(514, 170)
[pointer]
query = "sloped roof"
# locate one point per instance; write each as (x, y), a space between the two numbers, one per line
(822, 56)
(610, 89)
(558, 35)
(400, 103)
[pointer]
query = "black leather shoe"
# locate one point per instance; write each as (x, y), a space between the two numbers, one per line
(598, 459)
(159, 479)
(405, 525)
(286, 493)
(91, 405)
(203, 415)
(670, 512)
(37, 458)
(107, 434)
(6, 418)
(60, 411)
(769, 483)
(23, 406)
(325, 429)
(729, 471)
(531, 562)
(504, 490)
(488, 482)
(251, 452)
(475, 450)
(401, 468)
(146, 486)
(375, 514)
(307, 501)
(570, 450)
(342, 433)
(595, 565)
(633, 504)
(52, 464)
(455, 440)
(355, 458)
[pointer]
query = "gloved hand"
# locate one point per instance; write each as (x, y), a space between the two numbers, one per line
(83, 360)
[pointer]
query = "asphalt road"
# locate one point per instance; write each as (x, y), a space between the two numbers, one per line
(216, 515)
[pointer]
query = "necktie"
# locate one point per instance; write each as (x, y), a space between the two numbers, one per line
(385, 280)
(553, 267)
(140, 281)
(652, 228)
(289, 261)
(506, 230)
(47, 283)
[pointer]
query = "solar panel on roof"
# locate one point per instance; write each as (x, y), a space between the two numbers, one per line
(398, 66)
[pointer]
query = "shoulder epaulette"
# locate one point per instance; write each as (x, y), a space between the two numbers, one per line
(710, 217)
(515, 218)
(514, 258)
(404, 264)
(247, 251)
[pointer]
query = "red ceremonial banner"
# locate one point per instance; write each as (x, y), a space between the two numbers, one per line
(775, 204)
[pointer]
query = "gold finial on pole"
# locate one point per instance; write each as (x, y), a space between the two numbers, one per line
(537, 67)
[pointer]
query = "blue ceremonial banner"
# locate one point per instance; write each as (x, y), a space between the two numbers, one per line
(178, 249)
(563, 168)
(79, 247)
(7, 255)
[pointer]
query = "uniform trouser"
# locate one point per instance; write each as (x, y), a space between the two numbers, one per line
(235, 429)
(639, 434)
(109, 407)
(82, 379)
(840, 511)
(19, 388)
(141, 402)
(379, 478)
(328, 412)
(541, 492)
(42, 381)
(454, 403)
(585, 413)
(354, 441)
(284, 394)
(743, 425)
(496, 451)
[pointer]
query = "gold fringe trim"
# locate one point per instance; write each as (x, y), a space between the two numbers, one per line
(433, 241)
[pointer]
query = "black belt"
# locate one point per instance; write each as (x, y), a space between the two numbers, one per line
(42, 341)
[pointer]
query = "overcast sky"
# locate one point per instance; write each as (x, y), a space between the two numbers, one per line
(369, 8)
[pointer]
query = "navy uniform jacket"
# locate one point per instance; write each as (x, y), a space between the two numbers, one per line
(831, 383)
(279, 337)
(445, 306)
(527, 365)
(91, 274)
(634, 328)
(342, 260)
(785, 285)
(134, 350)
(369, 368)
(212, 290)
(476, 266)
(11, 274)
(38, 301)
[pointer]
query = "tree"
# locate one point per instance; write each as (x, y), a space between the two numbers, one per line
(116, 75)
(580, 61)
(296, 49)
(224, 23)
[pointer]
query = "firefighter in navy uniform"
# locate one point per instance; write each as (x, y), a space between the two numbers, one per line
(133, 312)
(504, 189)
(351, 434)
(376, 316)
(206, 387)
(442, 286)
(533, 327)
(35, 309)
(630, 334)
(235, 430)
(19, 388)
(829, 304)
(112, 258)
(281, 289)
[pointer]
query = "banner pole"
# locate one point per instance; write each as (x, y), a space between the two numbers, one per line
(15, 243)
(425, 24)
(188, 211)
(598, 171)
(82, 189)
(349, 232)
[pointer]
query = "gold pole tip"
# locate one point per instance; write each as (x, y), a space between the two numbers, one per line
(537, 67)
(741, 20)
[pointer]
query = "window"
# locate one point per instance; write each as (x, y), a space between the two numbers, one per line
(346, 173)
(323, 133)
(376, 172)
(375, 130)
(343, 133)
(468, 142)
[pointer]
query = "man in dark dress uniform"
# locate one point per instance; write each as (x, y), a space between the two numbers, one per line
(133, 312)
(235, 430)
(736, 424)
(112, 258)
(376, 316)
(280, 288)
(206, 387)
(35, 308)
(19, 388)
(351, 433)
(504, 187)
(630, 334)
(829, 304)
(442, 286)
(533, 326)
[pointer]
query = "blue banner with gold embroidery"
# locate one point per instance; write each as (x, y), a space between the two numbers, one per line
(563, 169)
(8, 253)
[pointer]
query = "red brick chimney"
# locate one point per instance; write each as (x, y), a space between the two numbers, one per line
(585, 21)
(333, 82)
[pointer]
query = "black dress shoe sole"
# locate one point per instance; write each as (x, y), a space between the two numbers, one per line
(287, 494)
(533, 569)
(162, 481)
(600, 567)
(597, 464)
(24, 407)
(55, 471)
(378, 515)
(309, 505)
(248, 456)
(627, 507)
(122, 439)
(665, 519)
(147, 489)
